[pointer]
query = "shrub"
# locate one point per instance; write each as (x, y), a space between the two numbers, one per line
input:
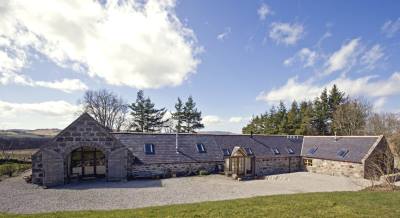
(203, 172)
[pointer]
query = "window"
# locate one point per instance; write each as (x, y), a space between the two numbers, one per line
(149, 148)
(308, 162)
(342, 152)
(276, 151)
(201, 148)
(290, 150)
(226, 152)
(312, 150)
(249, 151)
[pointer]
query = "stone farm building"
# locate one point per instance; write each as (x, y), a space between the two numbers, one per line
(85, 149)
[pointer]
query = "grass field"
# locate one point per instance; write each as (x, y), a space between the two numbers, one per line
(334, 204)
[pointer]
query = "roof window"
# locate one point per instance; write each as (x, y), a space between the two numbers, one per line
(312, 150)
(276, 151)
(290, 150)
(249, 151)
(149, 149)
(226, 152)
(201, 148)
(342, 152)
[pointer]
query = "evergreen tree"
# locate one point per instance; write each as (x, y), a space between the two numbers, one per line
(320, 118)
(293, 119)
(192, 117)
(146, 118)
(336, 98)
(305, 127)
(179, 116)
(282, 119)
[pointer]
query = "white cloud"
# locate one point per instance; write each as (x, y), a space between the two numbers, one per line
(130, 42)
(306, 56)
(390, 28)
(65, 85)
(367, 86)
(343, 58)
(47, 114)
(379, 104)
(286, 33)
(263, 11)
(372, 56)
(211, 119)
(222, 36)
(236, 119)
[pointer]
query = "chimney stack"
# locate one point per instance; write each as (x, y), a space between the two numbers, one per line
(335, 136)
(251, 134)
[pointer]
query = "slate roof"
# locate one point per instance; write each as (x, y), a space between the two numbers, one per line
(165, 151)
(327, 147)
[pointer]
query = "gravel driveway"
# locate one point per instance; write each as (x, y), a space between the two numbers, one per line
(16, 196)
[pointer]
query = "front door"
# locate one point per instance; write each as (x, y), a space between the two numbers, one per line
(87, 162)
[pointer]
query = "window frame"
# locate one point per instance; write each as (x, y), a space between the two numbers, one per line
(276, 151)
(249, 151)
(308, 162)
(290, 150)
(227, 153)
(201, 148)
(152, 148)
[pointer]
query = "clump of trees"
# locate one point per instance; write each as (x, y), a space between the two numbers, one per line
(307, 118)
(142, 115)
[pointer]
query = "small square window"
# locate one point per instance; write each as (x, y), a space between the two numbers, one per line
(149, 149)
(308, 162)
(249, 151)
(290, 150)
(226, 152)
(201, 148)
(276, 151)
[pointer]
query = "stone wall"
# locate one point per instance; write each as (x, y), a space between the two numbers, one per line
(335, 168)
(37, 168)
(173, 169)
(84, 131)
(275, 165)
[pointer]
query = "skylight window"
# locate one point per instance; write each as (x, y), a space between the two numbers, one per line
(290, 150)
(226, 152)
(201, 148)
(249, 151)
(276, 151)
(312, 150)
(342, 152)
(149, 149)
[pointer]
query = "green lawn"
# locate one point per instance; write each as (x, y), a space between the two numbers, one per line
(336, 204)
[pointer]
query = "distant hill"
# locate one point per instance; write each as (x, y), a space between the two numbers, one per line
(26, 139)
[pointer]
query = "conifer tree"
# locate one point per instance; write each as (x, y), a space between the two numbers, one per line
(179, 116)
(145, 117)
(192, 117)
(293, 119)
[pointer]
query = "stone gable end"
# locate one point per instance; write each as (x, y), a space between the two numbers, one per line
(84, 131)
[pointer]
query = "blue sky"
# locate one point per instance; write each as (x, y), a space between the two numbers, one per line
(235, 58)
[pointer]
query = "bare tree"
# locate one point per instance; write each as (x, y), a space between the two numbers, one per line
(380, 169)
(350, 118)
(386, 124)
(106, 107)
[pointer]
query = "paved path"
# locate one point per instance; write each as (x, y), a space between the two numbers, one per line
(16, 196)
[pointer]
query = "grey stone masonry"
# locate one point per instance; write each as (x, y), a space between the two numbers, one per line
(267, 166)
(174, 169)
(335, 168)
(84, 131)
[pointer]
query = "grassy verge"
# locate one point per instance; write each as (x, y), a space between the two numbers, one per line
(335, 204)
(13, 168)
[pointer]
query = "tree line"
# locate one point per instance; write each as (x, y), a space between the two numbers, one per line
(142, 115)
(332, 112)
